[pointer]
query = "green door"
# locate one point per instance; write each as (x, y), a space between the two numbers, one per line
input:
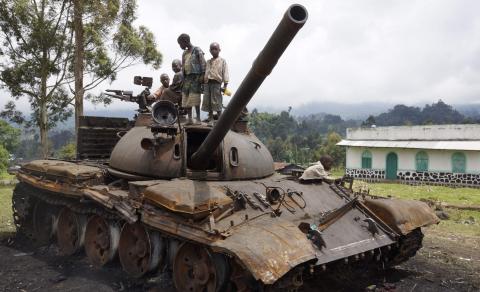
(392, 166)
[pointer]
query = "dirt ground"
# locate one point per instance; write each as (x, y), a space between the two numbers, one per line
(446, 263)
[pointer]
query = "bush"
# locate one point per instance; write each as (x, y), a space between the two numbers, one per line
(68, 152)
(4, 156)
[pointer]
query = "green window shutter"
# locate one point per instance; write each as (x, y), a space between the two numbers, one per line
(459, 162)
(421, 161)
(367, 159)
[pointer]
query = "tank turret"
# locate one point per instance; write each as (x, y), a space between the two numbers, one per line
(158, 148)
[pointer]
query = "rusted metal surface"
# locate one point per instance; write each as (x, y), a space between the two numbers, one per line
(112, 199)
(58, 187)
(186, 196)
(195, 269)
(170, 224)
(70, 231)
(268, 249)
(98, 135)
(101, 240)
(44, 222)
(63, 170)
(293, 20)
(140, 251)
(162, 162)
(403, 215)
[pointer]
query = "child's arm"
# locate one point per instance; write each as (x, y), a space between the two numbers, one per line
(226, 77)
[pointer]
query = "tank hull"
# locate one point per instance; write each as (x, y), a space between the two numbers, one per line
(235, 219)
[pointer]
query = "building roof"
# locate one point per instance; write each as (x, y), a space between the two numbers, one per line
(427, 144)
(417, 133)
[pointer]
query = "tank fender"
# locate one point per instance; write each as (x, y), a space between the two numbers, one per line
(267, 247)
(402, 216)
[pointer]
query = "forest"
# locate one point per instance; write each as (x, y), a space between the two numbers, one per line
(294, 139)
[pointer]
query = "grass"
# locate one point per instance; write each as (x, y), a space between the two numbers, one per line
(338, 172)
(6, 220)
(461, 222)
(458, 196)
(5, 175)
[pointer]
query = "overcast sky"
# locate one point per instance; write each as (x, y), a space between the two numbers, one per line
(348, 51)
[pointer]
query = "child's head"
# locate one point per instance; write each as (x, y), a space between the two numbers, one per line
(165, 80)
(176, 65)
(214, 49)
(184, 41)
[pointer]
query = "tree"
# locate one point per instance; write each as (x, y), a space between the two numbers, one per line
(61, 138)
(370, 121)
(106, 42)
(441, 113)
(37, 48)
(50, 45)
(9, 136)
(330, 147)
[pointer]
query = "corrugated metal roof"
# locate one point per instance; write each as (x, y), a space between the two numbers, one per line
(441, 145)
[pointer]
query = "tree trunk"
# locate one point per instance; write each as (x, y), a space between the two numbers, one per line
(78, 63)
(43, 130)
(43, 115)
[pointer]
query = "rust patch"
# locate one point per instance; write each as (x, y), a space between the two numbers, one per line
(402, 215)
(195, 198)
(268, 250)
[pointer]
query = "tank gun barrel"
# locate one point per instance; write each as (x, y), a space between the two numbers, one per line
(293, 19)
(120, 94)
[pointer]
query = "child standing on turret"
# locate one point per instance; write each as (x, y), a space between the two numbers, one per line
(216, 73)
(193, 63)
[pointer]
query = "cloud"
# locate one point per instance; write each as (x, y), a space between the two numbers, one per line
(349, 51)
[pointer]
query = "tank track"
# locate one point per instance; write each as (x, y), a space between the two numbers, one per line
(408, 246)
(22, 209)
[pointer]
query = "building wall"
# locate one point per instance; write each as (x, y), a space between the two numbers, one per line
(439, 165)
(438, 160)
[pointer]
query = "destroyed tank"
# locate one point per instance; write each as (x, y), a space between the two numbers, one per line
(205, 202)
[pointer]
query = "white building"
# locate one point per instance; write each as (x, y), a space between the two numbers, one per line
(446, 154)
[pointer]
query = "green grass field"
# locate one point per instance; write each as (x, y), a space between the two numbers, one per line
(5, 175)
(458, 196)
(6, 220)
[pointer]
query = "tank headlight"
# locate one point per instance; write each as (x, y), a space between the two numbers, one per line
(164, 113)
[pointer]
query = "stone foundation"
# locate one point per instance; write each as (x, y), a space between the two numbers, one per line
(437, 178)
(374, 174)
(440, 177)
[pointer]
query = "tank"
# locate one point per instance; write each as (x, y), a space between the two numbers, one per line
(205, 203)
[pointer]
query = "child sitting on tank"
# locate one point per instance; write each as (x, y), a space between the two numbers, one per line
(319, 171)
(216, 73)
(155, 96)
(174, 92)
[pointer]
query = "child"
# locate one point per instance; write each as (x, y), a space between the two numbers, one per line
(193, 69)
(174, 92)
(216, 73)
(165, 81)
